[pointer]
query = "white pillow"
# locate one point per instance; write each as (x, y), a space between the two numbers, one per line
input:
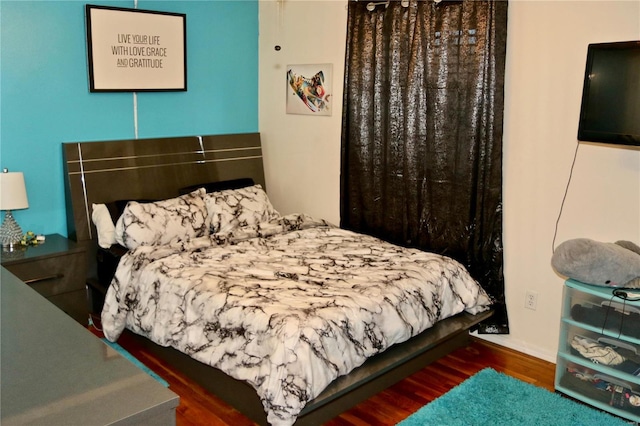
(104, 225)
(160, 222)
(233, 208)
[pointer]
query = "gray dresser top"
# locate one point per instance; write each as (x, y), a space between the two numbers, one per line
(54, 371)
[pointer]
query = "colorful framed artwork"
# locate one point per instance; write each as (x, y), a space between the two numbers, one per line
(309, 89)
(134, 50)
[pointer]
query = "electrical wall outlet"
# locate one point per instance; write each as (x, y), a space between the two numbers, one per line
(531, 300)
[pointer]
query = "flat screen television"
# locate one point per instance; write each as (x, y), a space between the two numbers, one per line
(610, 110)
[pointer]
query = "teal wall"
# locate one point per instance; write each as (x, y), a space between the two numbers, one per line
(45, 98)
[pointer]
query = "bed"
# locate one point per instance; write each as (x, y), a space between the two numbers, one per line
(287, 318)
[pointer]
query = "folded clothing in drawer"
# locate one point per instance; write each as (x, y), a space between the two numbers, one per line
(600, 387)
(623, 319)
(606, 351)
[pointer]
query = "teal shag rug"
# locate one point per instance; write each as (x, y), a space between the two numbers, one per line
(492, 398)
(122, 351)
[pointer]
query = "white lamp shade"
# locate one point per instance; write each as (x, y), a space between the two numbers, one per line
(13, 192)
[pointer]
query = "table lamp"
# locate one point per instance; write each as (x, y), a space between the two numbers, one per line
(13, 196)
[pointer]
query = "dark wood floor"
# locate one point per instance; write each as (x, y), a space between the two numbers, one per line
(198, 407)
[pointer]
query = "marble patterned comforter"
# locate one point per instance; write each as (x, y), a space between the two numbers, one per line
(287, 306)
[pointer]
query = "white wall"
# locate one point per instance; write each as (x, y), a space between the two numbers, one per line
(546, 51)
(302, 153)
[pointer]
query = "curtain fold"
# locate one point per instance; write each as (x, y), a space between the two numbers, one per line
(422, 132)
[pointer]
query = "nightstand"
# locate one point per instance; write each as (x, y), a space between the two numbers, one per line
(56, 269)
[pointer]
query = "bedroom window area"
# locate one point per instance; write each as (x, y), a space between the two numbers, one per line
(422, 132)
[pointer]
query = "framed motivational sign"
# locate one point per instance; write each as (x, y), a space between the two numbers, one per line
(132, 50)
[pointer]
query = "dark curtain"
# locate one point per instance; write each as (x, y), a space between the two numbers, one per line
(422, 131)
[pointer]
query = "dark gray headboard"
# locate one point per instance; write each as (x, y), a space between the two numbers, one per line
(151, 169)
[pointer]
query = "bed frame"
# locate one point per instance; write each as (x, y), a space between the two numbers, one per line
(100, 172)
